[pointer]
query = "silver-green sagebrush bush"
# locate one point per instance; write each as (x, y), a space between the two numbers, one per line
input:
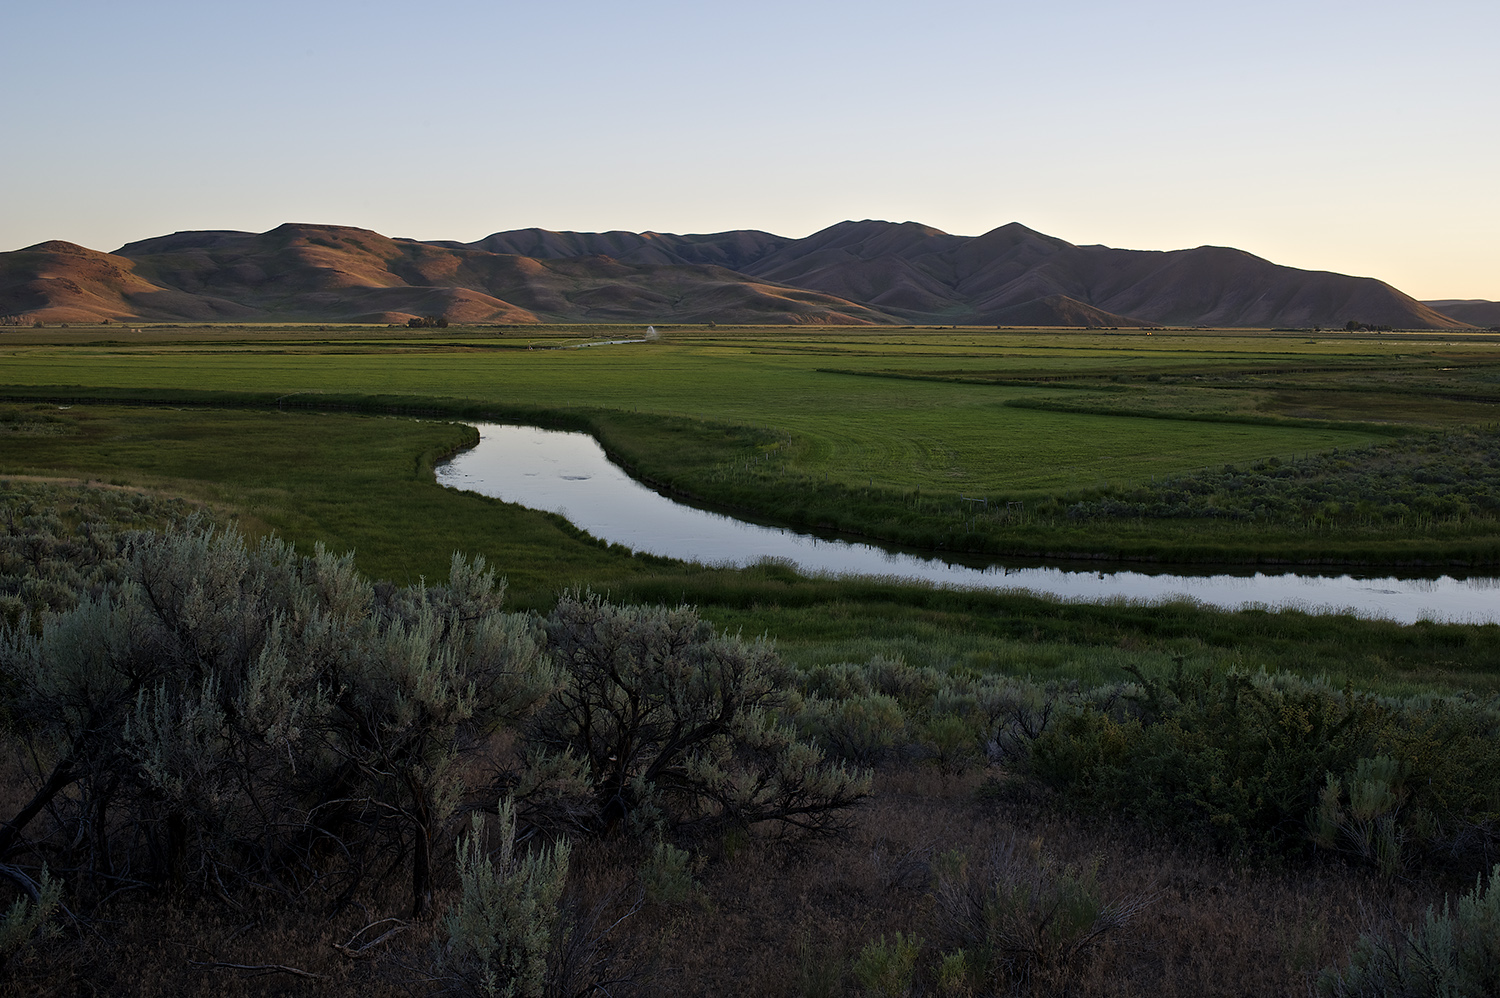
(862, 728)
(29, 918)
(666, 875)
(240, 707)
(1360, 813)
(1455, 954)
(501, 929)
(255, 721)
(681, 724)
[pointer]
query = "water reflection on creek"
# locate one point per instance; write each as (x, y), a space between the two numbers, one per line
(568, 473)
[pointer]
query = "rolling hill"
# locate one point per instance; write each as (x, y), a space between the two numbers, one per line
(342, 274)
(923, 274)
(1475, 311)
(866, 272)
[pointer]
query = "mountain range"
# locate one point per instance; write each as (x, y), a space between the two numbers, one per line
(852, 273)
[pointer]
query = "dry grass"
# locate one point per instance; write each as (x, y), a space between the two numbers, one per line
(771, 917)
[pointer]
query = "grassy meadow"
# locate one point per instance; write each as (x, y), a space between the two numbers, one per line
(877, 432)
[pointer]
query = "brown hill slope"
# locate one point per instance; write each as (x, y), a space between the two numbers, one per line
(1057, 310)
(734, 250)
(852, 272)
(61, 282)
(327, 272)
(339, 273)
(1475, 311)
(923, 274)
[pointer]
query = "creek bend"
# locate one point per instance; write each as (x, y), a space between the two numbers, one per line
(568, 473)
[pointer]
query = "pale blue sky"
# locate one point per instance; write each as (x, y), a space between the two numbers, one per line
(1361, 137)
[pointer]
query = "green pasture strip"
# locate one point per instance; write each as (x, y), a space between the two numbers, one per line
(927, 463)
(360, 483)
(773, 473)
(816, 621)
(911, 435)
(1083, 408)
(1120, 367)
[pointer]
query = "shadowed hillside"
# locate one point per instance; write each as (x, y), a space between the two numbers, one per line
(867, 272)
(1475, 311)
(735, 250)
(922, 274)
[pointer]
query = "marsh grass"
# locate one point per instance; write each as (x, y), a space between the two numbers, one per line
(360, 483)
(745, 419)
(822, 621)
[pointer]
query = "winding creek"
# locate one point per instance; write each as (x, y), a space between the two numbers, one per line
(568, 473)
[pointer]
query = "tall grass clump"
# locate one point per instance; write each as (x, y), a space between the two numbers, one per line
(1023, 918)
(888, 970)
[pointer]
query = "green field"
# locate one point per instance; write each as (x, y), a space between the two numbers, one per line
(878, 432)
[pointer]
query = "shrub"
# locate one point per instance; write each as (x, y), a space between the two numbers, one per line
(1012, 714)
(952, 742)
(666, 876)
(1363, 819)
(244, 706)
(1238, 760)
(500, 930)
(1452, 955)
(681, 724)
(888, 970)
(1272, 763)
(1022, 916)
(30, 917)
(954, 979)
(861, 728)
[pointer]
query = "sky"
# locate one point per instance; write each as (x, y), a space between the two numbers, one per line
(1358, 137)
